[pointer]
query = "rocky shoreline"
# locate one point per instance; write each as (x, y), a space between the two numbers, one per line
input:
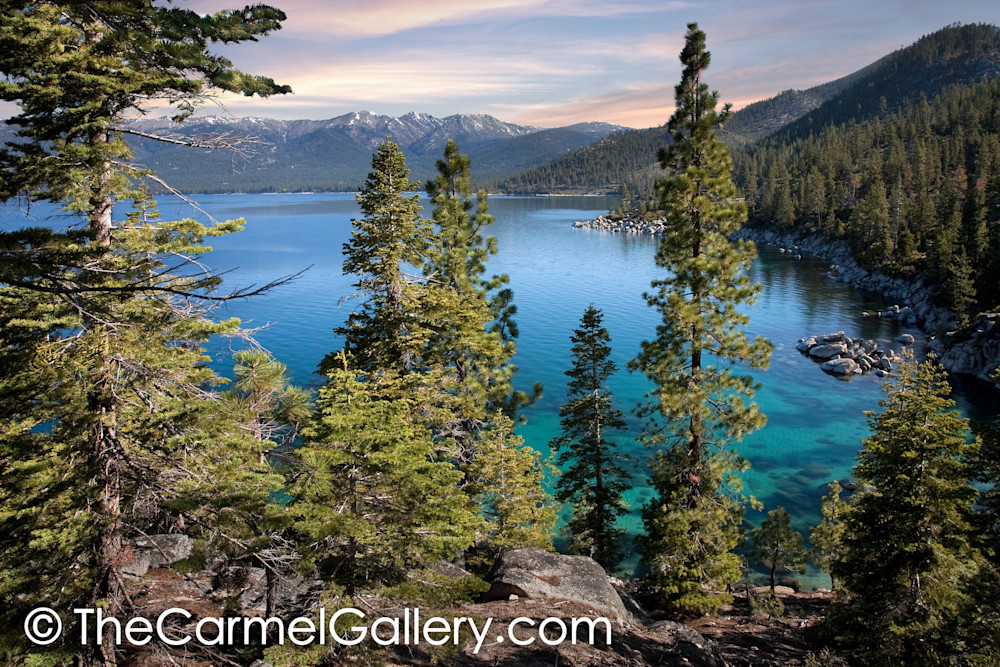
(975, 350)
(847, 356)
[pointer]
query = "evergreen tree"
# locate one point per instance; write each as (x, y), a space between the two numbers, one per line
(476, 343)
(777, 546)
(507, 479)
(981, 618)
(870, 227)
(113, 330)
(387, 331)
(698, 406)
(593, 482)
(906, 557)
(826, 536)
(372, 498)
(127, 423)
(76, 70)
(252, 527)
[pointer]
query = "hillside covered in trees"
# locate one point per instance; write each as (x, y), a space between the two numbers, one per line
(139, 485)
(956, 55)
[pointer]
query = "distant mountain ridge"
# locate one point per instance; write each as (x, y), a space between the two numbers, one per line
(335, 154)
(955, 55)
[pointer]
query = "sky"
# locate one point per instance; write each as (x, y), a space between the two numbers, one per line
(550, 63)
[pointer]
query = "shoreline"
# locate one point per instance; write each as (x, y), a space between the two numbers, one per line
(973, 350)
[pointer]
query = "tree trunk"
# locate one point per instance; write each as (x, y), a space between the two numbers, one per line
(108, 589)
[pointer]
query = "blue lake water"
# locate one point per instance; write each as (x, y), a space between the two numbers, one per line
(815, 421)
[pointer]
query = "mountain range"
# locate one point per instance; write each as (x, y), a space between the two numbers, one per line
(335, 154)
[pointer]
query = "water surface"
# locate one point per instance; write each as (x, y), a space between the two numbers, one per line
(815, 421)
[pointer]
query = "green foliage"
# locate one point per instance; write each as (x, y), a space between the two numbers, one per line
(768, 605)
(119, 437)
(76, 70)
(906, 560)
(777, 545)
(388, 330)
(915, 189)
(698, 407)
(826, 536)
(115, 420)
(507, 478)
(429, 589)
(593, 481)
(372, 499)
(478, 343)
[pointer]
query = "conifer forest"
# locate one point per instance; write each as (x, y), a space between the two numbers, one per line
(132, 466)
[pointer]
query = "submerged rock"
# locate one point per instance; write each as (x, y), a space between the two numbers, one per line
(843, 355)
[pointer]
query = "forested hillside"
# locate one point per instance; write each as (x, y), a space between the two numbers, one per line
(955, 55)
(919, 188)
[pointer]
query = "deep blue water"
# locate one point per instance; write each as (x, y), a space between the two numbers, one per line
(815, 421)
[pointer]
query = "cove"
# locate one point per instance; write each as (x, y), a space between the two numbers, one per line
(815, 421)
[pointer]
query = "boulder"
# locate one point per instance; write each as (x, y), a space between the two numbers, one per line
(805, 343)
(905, 339)
(828, 351)
(157, 551)
(539, 574)
(250, 585)
(680, 632)
(836, 337)
(841, 366)
(450, 570)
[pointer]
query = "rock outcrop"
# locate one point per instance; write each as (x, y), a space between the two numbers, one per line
(977, 353)
(849, 356)
(536, 573)
(628, 224)
(157, 551)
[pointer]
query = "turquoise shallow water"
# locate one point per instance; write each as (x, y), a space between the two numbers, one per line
(815, 421)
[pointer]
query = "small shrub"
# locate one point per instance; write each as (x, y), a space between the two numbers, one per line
(764, 606)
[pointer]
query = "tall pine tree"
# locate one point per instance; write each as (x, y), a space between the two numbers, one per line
(110, 330)
(699, 404)
(389, 329)
(593, 482)
(477, 343)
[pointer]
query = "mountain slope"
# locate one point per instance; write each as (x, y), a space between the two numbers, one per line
(954, 55)
(335, 154)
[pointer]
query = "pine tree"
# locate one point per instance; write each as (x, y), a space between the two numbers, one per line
(253, 527)
(373, 499)
(981, 618)
(387, 331)
(477, 344)
(777, 545)
(593, 482)
(113, 330)
(507, 478)
(906, 558)
(698, 407)
(128, 422)
(77, 70)
(826, 536)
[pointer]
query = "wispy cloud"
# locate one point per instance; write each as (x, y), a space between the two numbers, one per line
(550, 62)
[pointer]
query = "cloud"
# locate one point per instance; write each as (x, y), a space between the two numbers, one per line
(371, 18)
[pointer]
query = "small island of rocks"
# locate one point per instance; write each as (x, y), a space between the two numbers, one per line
(850, 356)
